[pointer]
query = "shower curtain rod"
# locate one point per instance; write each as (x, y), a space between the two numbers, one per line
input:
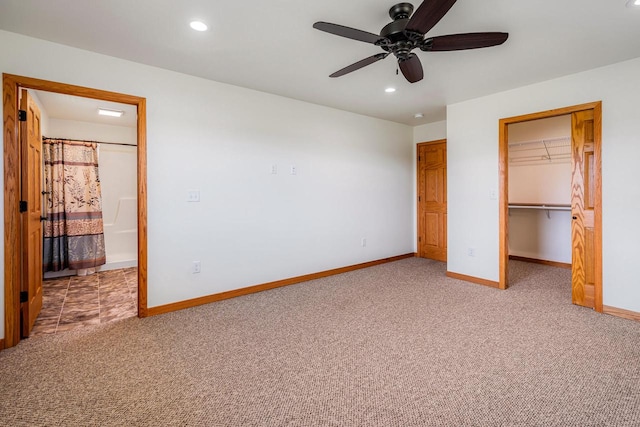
(97, 142)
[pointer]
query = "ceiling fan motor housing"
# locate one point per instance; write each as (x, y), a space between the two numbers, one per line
(395, 39)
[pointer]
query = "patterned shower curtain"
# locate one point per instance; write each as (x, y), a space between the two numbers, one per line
(73, 229)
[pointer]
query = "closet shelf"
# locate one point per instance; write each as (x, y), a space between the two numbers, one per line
(548, 207)
(554, 150)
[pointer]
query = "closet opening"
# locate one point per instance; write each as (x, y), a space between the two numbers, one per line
(551, 195)
(539, 162)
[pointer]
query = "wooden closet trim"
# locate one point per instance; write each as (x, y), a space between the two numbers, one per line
(503, 169)
(11, 85)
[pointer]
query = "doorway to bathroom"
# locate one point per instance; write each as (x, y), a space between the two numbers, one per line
(22, 296)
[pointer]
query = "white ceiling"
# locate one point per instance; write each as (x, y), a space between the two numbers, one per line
(271, 46)
(67, 107)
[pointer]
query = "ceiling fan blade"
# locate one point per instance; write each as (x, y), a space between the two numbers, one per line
(350, 33)
(428, 14)
(463, 41)
(411, 68)
(363, 63)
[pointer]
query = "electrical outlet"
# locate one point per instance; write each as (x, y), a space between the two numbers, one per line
(274, 169)
(294, 170)
(364, 242)
(471, 251)
(193, 195)
(196, 267)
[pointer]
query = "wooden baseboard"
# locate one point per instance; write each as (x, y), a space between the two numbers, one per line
(152, 311)
(472, 279)
(619, 312)
(541, 261)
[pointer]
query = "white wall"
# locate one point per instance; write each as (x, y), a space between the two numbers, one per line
(354, 175)
(117, 168)
(472, 135)
(430, 132)
(533, 233)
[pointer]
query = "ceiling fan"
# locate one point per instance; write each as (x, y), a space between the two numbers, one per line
(406, 33)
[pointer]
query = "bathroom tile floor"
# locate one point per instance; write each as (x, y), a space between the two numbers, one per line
(77, 301)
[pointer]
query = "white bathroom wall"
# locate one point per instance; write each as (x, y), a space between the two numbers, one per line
(117, 165)
(536, 234)
(76, 129)
(472, 141)
(353, 175)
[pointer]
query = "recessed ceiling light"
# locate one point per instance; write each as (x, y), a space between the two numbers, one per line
(110, 113)
(633, 3)
(390, 89)
(418, 115)
(198, 25)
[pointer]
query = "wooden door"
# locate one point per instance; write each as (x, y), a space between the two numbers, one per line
(31, 187)
(583, 199)
(432, 200)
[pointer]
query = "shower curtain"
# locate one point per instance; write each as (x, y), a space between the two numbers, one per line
(73, 228)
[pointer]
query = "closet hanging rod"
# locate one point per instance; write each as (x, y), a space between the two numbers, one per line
(544, 207)
(96, 142)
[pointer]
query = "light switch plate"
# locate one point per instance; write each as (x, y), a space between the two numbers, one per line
(193, 196)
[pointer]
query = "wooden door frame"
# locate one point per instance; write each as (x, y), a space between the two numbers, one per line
(504, 189)
(12, 244)
(418, 145)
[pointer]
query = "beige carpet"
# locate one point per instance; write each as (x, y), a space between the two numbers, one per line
(393, 345)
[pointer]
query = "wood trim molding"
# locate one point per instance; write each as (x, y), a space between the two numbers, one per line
(1, 344)
(619, 312)
(11, 84)
(551, 113)
(475, 280)
(597, 159)
(11, 212)
(503, 206)
(541, 261)
(142, 207)
(162, 309)
(503, 210)
(437, 141)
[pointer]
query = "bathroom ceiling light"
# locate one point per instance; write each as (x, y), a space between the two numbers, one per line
(110, 113)
(633, 3)
(390, 89)
(198, 25)
(418, 115)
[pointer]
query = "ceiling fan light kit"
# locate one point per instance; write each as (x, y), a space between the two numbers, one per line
(407, 32)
